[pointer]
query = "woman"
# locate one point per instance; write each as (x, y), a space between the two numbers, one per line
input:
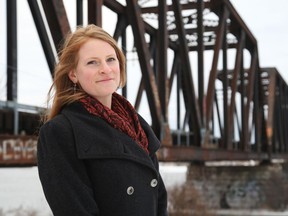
(96, 155)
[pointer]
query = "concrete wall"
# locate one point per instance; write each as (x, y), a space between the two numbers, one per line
(239, 187)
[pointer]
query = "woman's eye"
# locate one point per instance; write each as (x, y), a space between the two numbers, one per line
(111, 59)
(92, 62)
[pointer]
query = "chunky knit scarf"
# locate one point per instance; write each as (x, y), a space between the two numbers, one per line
(122, 116)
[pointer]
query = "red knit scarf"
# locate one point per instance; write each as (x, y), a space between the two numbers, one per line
(121, 116)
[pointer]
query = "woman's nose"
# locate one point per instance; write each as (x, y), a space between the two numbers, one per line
(105, 68)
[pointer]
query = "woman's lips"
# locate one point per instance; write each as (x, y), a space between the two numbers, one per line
(104, 80)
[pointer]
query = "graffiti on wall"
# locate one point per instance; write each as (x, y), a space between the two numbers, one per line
(17, 150)
(245, 194)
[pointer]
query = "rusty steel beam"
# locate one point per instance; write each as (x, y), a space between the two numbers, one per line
(184, 6)
(191, 153)
(155, 10)
(188, 86)
(141, 87)
(235, 17)
(271, 103)
(162, 70)
(115, 6)
(95, 12)
(277, 110)
(194, 154)
(250, 91)
(120, 31)
(146, 68)
(57, 20)
(120, 28)
(283, 110)
(43, 35)
(12, 50)
(200, 52)
(162, 67)
(212, 47)
(238, 67)
(225, 128)
(285, 114)
(279, 115)
(213, 73)
(79, 12)
(175, 67)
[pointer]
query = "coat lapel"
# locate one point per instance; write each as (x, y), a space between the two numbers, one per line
(96, 139)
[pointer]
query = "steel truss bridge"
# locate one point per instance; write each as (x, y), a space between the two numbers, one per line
(202, 106)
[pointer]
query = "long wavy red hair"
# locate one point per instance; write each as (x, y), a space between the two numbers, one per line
(61, 91)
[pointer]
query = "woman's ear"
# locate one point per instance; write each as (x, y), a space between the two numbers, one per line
(72, 76)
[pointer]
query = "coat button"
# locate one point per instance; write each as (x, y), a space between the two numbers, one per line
(154, 183)
(130, 190)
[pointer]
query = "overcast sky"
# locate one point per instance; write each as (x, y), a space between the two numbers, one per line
(268, 22)
(266, 19)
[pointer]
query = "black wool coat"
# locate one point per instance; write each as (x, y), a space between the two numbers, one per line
(86, 167)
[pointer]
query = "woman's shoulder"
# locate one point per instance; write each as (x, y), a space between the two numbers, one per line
(61, 121)
(55, 125)
(66, 112)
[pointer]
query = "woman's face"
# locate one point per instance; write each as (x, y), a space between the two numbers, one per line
(98, 70)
